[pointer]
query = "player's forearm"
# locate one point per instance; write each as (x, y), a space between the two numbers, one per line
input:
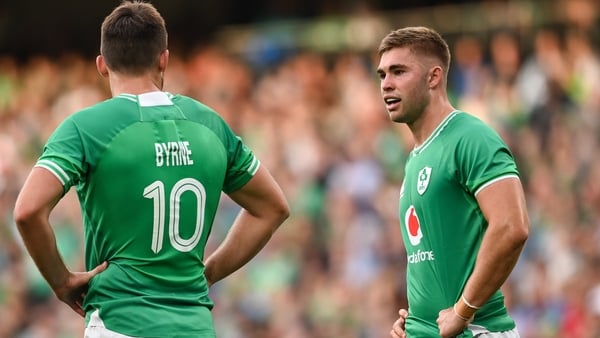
(248, 235)
(498, 254)
(40, 242)
(40, 193)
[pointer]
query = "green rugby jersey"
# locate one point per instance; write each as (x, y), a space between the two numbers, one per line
(149, 171)
(441, 223)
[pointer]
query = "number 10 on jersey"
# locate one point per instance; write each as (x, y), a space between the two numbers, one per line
(156, 192)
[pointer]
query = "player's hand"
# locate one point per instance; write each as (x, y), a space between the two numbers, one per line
(398, 327)
(75, 288)
(450, 324)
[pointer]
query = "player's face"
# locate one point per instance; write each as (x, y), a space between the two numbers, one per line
(404, 87)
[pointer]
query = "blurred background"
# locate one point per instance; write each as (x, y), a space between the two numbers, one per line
(296, 80)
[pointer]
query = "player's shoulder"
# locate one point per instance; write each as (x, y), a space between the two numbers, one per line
(105, 107)
(469, 130)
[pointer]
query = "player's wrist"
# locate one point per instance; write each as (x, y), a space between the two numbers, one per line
(464, 309)
(459, 315)
(468, 304)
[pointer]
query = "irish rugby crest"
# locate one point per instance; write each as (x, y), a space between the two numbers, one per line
(423, 180)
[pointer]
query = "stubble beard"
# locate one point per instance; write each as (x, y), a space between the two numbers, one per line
(409, 113)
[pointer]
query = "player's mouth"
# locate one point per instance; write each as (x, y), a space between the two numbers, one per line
(391, 102)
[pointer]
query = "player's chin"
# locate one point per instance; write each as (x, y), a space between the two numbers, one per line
(396, 116)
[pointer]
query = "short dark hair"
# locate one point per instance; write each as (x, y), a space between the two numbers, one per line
(421, 40)
(132, 37)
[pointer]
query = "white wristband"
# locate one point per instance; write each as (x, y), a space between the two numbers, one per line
(469, 304)
(459, 315)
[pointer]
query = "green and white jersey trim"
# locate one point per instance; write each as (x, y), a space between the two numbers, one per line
(149, 99)
(55, 169)
(490, 182)
(254, 166)
(435, 134)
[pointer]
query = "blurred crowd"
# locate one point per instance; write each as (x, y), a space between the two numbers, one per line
(336, 268)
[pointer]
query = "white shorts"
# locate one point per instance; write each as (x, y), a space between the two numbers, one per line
(96, 329)
(480, 332)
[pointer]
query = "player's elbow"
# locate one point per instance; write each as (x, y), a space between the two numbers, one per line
(24, 215)
(520, 232)
(281, 212)
(512, 232)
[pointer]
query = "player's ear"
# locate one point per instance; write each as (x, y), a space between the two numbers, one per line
(101, 66)
(163, 60)
(435, 76)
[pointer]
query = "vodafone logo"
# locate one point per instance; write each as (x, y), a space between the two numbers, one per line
(413, 226)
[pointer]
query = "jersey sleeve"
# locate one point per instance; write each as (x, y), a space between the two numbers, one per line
(63, 155)
(242, 164)
(482, 158)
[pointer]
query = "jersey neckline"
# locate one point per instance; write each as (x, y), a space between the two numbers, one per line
(149, 99)
(436, 132)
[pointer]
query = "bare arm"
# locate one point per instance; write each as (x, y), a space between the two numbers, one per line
(38, 197)
(264, 208)
(503, 205)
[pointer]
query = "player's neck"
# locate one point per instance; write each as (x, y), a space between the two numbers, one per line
(136, 85)
(432, 116)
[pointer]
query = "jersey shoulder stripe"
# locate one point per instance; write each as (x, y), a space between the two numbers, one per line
(492, 181)
(55, 169)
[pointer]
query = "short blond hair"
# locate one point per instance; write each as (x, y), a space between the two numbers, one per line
(420, 40)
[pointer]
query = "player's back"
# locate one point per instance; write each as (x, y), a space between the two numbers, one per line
(156, 167)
